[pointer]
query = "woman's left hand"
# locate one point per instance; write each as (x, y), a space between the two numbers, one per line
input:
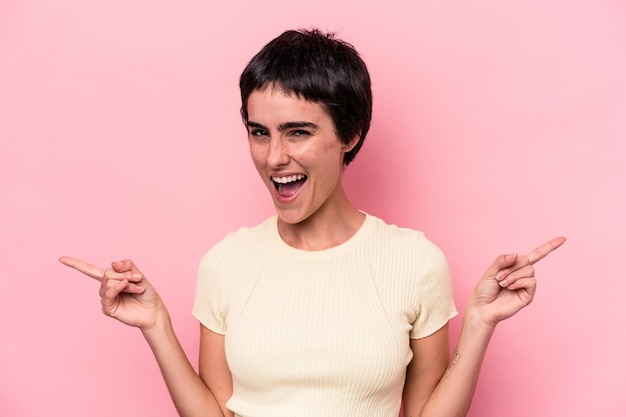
(509, 284)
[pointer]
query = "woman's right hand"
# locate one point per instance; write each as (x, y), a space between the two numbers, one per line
(125, 293)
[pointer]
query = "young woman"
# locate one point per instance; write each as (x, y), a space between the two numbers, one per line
(322, 309)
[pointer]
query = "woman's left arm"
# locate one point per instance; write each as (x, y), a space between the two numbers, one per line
(440, 388)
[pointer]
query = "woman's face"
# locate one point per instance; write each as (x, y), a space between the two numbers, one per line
(297, 153)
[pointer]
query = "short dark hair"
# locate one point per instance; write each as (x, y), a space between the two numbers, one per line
(319, 68)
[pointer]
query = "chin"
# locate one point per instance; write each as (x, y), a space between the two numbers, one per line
(284, 216)
(291, 220)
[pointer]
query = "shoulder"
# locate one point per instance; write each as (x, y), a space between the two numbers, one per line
(403, 241)
(243, 244)
(245, 237)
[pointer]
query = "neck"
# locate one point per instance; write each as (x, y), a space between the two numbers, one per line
(326, 228)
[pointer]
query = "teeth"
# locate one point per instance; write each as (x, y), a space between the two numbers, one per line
(285, 180)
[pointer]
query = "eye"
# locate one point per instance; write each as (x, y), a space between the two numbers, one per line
(258, 132)
(300, 133)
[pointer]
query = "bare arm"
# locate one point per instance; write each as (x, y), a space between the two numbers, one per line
(431, 356)
(214, 368)
(452, 393)
(507, 286)
(128, 296)
(190, 394)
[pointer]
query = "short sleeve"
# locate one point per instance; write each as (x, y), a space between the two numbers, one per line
(209, 305)
(435, 299)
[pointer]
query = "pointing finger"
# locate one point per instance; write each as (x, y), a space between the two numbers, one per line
(82, 266)
(543, 250)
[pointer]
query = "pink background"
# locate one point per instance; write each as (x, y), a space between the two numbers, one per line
(497, 125)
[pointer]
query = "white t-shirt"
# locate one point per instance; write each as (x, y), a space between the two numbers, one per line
(322, 333)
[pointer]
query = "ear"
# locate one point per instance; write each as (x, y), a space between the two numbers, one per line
(347, 147)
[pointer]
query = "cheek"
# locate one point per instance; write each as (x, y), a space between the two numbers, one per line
(256, 153)
(330, 163)
(333, 154)
(324, 152)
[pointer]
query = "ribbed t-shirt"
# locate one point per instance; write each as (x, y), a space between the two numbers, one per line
(322, 333)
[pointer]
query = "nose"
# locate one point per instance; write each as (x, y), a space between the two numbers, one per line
(278, 153)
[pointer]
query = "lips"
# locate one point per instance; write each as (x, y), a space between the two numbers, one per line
(289, 185)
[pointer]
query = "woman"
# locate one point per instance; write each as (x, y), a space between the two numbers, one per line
(321, 310)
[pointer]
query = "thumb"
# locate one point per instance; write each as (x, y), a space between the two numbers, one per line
(501, 262)
(125, 266)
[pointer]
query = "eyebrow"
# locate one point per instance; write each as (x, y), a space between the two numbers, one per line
(284, 126)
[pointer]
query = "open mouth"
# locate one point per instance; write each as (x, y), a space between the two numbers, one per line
(289, 185)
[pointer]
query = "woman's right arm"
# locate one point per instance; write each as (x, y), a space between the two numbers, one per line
(191, 396)
(127, 296)
(214, 369)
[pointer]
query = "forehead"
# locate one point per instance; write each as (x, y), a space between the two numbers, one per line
(274, 105)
